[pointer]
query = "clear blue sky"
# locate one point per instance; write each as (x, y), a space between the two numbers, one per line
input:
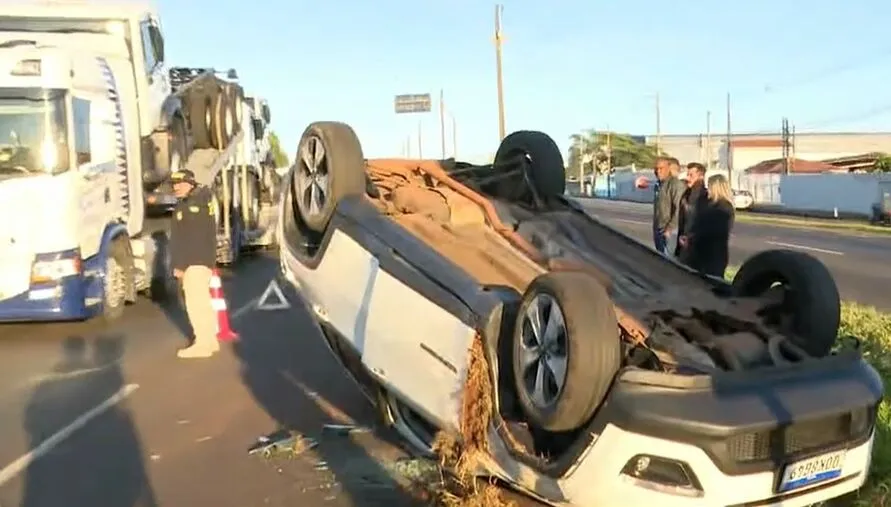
(568, 64)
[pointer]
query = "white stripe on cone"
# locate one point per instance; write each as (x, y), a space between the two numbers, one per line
(218, 305)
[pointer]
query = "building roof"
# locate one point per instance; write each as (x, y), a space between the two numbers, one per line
(798, 166)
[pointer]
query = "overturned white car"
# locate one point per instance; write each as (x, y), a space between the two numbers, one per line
(585, 368)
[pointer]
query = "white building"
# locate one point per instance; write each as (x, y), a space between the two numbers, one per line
(749, 149)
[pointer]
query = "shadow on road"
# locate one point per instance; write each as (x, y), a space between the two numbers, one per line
(291, 374)
(100, 463)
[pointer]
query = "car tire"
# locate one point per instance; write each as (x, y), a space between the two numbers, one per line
(221, 120)
(582, 339)
(329, 166)
(116, 282)
(252, 205)
(177, 150)
(236, 106)
(810, 304)
(200, 110)
(543, 167)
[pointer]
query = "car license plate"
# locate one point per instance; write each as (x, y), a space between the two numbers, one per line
(812, 470)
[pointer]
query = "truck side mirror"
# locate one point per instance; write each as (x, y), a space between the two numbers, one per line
(267, 115)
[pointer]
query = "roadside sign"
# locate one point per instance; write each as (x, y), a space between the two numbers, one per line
(273, 298)
(412, 103)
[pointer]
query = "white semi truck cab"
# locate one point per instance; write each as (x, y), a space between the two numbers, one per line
(92, 123)
(65, 182)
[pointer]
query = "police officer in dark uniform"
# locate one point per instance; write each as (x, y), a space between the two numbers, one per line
(193, 242)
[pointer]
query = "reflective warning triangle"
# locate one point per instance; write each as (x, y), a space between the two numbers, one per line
(273, 298)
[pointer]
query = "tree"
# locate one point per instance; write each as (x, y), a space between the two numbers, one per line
(591, 146)
(275, 148)
(883, 164)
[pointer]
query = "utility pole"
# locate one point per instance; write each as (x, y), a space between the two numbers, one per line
(408, 146)
(784, 133)
(420, 141)
(609, 160)
(729, 143)
(792, 149)
(658, 126)
(708, 140)
(454, 137)
(498, 39)
(442, 133)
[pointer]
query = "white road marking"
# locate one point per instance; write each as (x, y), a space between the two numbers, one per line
(250, 305)
(629, 221)
(804, 247)
(13, 469)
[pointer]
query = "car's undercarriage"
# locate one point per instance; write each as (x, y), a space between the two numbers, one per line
(581, 327)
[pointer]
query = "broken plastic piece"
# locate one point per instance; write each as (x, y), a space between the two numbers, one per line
(282, 442)
(344, 429)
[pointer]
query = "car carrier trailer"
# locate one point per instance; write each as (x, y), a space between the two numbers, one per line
(91, 128)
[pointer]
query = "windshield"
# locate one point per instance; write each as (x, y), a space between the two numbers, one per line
(61, 25)
(32, 131)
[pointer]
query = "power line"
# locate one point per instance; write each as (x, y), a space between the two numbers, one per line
(807, 78)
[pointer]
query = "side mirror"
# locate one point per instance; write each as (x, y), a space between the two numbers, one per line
(158, 42)
(267, 115)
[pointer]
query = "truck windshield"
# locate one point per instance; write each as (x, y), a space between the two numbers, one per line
(61, 25)
(33, 124)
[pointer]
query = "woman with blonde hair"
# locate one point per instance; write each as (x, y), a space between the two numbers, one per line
(712, 228)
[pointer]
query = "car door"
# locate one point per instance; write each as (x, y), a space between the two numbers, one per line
(417, 349)
(156, 72)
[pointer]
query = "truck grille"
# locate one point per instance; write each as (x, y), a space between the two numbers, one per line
(784, 443)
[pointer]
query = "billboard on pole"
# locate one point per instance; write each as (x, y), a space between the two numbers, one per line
(412, 103)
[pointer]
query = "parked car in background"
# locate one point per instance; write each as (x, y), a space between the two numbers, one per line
(742, 199)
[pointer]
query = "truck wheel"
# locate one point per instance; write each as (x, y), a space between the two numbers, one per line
(163, 286)
(538, 164)
(808, 306)
(200, 108)
(252, 206)
(566, 350)
(236, 107)
(177, 151)
(116, 283)
(329, 166)
(221, 121)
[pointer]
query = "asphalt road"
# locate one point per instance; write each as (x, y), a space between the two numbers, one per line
(97, 415)
(860, 262)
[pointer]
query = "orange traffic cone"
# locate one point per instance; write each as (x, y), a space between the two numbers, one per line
(218, 301)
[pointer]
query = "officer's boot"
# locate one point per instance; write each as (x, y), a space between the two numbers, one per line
(202, 347)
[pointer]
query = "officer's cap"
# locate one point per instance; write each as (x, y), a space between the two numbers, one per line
(184, 176)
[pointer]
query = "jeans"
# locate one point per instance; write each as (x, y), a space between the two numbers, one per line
(659, 240)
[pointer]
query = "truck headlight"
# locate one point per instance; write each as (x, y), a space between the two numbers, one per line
(53, 267)
(663, 475)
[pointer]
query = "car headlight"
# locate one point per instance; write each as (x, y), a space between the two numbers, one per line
(49, 268)
(663, 475)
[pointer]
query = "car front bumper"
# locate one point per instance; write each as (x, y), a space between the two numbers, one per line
(598, 478)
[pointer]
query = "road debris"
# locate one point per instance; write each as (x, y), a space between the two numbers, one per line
(344, 429)
(282, 443)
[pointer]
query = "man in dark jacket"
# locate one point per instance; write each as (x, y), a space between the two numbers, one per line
(193, 243)
(693, 202)
(668, 192)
